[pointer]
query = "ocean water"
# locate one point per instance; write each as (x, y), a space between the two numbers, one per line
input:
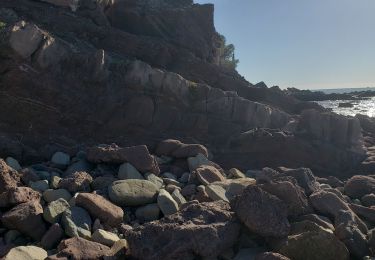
(365, 107)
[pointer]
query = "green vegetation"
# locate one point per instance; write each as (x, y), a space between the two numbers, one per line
(227, 57)
(2, 25)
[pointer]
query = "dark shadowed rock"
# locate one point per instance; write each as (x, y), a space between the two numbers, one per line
(76, 182)
(320, 220)
(271, 256)
(27, 219)
(262, 212)
(305, 179)
(100, 208)
(138, 156)
(329, 204)
(367, 213)
(368, 200)
(79, 249)
(197, 230)
(314, 245)
(178, 149)
(293, 196)
(52, 237)
(9, 178)
(358, 186)
(346, 229)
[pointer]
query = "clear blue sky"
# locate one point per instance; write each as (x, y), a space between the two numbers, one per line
(301, 43)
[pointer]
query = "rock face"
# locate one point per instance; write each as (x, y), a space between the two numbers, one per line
(212, 224)
(262, 212)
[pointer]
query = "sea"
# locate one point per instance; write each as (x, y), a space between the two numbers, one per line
(365, 107)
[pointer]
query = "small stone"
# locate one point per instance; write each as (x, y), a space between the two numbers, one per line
(216, 192)
(185, 177)
(199, 160)
(77, 182)
(236, 174)
(61, 159)
(13, 163)
(368, 200)
(166, 203)
(52, 213)
(148, 212)
(189, 190)
(76, 222)
(128, 171)
(97, 225)
(170, 188)
(52, 195)
(169, 176)
(55, 180)
(11, 236)
(132, 192)
(154, 179)
(26, 253)
(52, 237)
(104, 237)
(102, 182)
(118, 249)
(40, 186)
(177, 196)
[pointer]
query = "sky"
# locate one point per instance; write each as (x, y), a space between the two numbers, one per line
(307, 44)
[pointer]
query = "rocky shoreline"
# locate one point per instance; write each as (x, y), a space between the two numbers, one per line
(250, 172)
(109, 202)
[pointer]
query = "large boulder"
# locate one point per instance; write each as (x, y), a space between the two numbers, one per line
(133, 192)
(100, 208)
(330, 205)
(305, 179)
(138, 156)
(27, 219)
(359, 185)
(346, 229)
(197, 230)
(262, 213)
(314, 245)
(207, 174)
(291, 194)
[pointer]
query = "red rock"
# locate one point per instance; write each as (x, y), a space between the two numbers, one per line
(198, 230)
(262, 213)
(18, 195)
(9, 178)
(79, 249)
(78, 181)
(138, 156)
(108, 213)
(27, 219)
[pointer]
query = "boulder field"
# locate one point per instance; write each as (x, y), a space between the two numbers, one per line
(75, 73)
(189, 207)
(90, 92)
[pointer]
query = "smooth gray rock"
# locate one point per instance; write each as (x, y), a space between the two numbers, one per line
(52, 213)
(128, 171)
(166, 203)
(76, 222)
(132, 192)
(52, 195)
(60, 158)
(148, 212)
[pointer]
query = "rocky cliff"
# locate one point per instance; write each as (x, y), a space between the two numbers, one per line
(75, 73)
